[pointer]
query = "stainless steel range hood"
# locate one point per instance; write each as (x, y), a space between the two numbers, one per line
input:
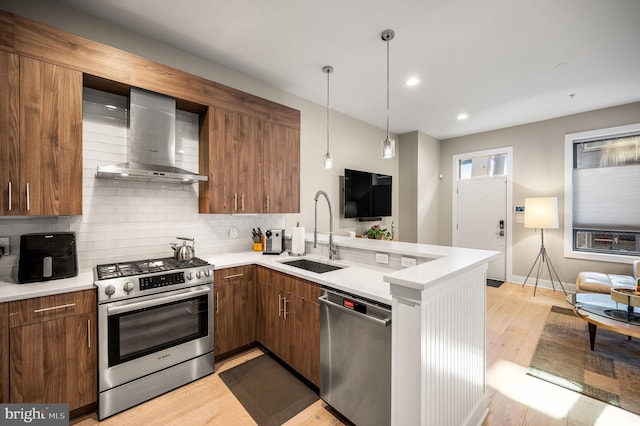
(152, 142)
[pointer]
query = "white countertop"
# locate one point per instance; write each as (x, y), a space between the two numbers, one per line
(11, 291)
(370, 281)
(364, 280)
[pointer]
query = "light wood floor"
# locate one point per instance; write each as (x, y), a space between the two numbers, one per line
(514, 322)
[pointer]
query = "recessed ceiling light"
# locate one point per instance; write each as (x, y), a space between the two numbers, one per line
(462, 116)
(413, 81)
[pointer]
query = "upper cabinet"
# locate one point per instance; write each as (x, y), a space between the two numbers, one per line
(231, 155)
(253, 165)
(281, 168)
(41, 145)
(9, 132)
(249, 146)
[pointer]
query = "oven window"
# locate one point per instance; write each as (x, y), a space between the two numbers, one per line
(139, 333)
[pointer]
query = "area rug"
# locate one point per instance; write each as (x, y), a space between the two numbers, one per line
(494, 283)
(610, 373)
(271, 394)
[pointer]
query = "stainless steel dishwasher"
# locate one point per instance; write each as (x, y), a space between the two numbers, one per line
(355, 357)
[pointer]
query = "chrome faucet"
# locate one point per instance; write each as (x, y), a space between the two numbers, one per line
(332, 250)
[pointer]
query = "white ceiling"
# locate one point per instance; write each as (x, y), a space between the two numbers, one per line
(503, 62)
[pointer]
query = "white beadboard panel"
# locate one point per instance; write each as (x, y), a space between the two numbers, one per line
(129, 220)
(454, 348)
(441, 379)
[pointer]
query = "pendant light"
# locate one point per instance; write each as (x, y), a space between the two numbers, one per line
(327, 159)
(388, 144)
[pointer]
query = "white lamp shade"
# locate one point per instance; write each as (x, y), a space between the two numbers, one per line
(541, 213)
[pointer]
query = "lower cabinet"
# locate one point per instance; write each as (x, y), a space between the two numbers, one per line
(289, 320)
(234, 308)
(4, 353)
(53, 356)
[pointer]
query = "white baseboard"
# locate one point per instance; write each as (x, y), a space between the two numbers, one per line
(543, 283)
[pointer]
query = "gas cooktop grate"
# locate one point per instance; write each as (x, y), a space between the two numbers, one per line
(148, 266)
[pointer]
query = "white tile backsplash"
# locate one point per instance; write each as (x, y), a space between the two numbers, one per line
(129, 220)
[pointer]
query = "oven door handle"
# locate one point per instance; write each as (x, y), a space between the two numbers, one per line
(190, 294)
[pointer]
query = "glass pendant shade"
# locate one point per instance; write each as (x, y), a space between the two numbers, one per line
(328, 161)
(326, 158)
(388, 148)
(388, 144)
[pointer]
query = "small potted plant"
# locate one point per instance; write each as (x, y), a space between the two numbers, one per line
(376, 232)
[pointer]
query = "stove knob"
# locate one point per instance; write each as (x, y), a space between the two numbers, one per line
(199, 274)
(207, 272)
(189, 275)
(128, 286)
(110, 290)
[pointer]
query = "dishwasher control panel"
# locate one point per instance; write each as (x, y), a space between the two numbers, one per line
(361, 305)
(354, 306)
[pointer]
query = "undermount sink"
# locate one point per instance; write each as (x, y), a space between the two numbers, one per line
(313, 266)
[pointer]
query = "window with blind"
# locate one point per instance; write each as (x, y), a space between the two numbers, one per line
(602, 194)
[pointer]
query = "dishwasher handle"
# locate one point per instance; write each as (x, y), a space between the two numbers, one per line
(384, 321)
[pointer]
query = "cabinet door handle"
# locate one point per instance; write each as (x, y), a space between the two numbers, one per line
(235, 201)
(228, 277)
(242, 204)
(89, 333)
(268, 203)
(9, 195)
(217, 302)
(285, 307)
(53, 308)
(280, 299)
(28, 198)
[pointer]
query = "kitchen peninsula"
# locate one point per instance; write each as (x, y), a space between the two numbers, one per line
(438, 322)
(438, 328)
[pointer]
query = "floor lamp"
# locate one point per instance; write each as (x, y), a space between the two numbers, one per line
(542, 213)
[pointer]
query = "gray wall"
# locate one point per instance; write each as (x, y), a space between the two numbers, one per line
(538, 170)
(407, 176)
(419, 169)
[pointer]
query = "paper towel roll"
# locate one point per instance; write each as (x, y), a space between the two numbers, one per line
(297, 240)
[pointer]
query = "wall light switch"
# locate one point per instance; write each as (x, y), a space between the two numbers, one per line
(382, 258)
(407, 262)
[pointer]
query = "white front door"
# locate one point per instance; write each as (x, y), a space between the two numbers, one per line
(480, 210)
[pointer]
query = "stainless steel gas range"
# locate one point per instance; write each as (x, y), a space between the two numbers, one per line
(155, 329)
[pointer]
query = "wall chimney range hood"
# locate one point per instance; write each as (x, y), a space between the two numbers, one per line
(152, 143)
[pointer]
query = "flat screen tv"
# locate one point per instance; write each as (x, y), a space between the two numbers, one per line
(367, 196)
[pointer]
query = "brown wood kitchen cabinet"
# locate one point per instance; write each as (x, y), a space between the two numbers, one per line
(234, 308)
(4, 353)
(281, 168)
(253, 164)
(289, 320)
(52, 343)
(231, 154)
(41, 131)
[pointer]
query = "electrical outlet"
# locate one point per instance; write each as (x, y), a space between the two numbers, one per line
(233, 233)
(407, 262)
(4, 243)
(382, 258)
